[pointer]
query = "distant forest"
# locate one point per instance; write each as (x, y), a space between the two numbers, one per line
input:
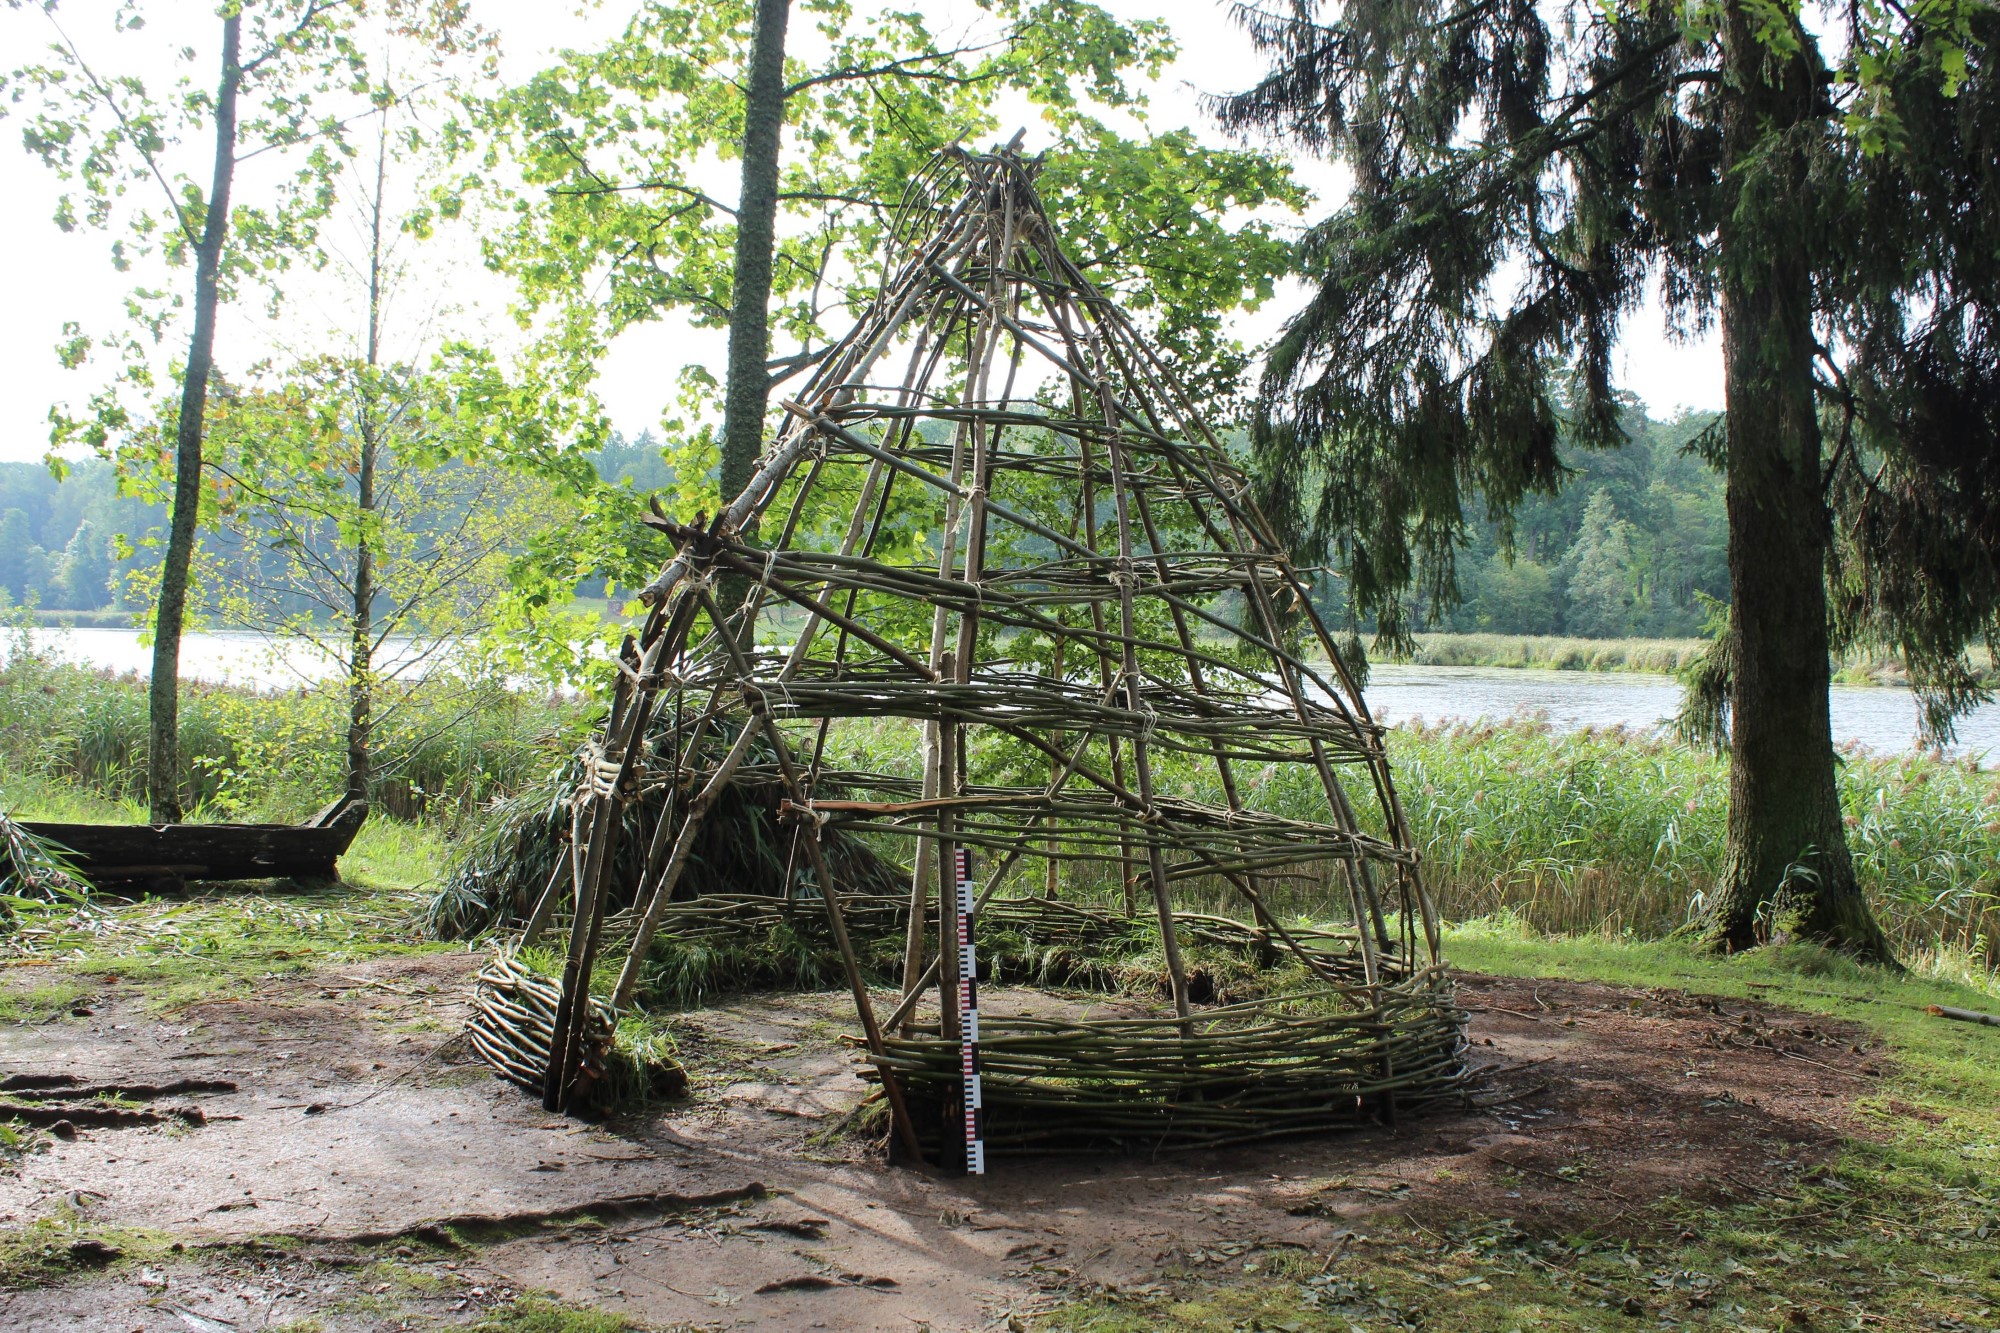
(69, 545)
(1623, 551)
(1628, 548)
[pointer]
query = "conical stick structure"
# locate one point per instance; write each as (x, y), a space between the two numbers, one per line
(993, 519)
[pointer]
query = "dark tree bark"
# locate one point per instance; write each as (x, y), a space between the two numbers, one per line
(1786, 870)
(163, 753)
(360, 665)
(749, 383)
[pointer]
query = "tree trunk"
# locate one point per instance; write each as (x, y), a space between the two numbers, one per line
(1786, 870)
(163, 753)
(756, 232)
(361, 649)
(360, 666)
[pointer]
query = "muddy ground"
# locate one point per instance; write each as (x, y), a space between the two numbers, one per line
(314, 1190)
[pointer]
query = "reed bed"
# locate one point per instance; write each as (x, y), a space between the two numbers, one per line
(1610, 832)
(442, 754)
(1863, 664)
(1553, 652)
(1618, 833)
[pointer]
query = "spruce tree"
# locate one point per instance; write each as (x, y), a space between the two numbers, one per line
(1524, 174)
(1600, 578)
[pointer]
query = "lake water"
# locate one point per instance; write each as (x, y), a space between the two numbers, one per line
(1881, 718)
(1878, 717)
(234, 657)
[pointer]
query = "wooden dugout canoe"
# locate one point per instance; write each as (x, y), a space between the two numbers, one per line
(164, 855)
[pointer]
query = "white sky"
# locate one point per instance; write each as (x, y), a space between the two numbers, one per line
(54, 277)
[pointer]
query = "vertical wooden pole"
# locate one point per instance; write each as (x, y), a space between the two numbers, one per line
(1054, 867)
(921, 872)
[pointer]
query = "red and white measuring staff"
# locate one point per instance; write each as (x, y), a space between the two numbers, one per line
(968, 1018)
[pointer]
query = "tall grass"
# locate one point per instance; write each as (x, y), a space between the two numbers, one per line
(442, 754)
(1602, 832)
(1613, 832)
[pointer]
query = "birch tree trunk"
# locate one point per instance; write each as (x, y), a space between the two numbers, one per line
(163, 750)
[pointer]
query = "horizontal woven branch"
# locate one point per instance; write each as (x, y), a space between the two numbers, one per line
(1295, 1064)
(716, 917)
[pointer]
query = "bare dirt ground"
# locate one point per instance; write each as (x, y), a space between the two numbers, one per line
(316, 1188)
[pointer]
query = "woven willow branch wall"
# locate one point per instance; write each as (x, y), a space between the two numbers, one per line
(991, 513)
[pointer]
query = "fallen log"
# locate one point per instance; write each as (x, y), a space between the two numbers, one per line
(1962, 1015)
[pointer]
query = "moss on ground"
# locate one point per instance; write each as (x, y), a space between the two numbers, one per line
(532, 1314)
(66, 1246)
(1900, 1231)
(399, 1286)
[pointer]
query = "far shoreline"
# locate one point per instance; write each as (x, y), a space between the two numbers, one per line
(1659, 657)
(1535, 652)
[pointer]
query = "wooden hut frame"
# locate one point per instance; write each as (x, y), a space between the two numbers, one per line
(1015, 464)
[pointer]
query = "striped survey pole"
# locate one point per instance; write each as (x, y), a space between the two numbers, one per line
(968, 1009)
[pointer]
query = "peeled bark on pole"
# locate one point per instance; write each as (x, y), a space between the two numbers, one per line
(163, 702)
(1786, 871)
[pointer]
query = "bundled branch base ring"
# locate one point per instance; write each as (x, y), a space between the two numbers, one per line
(1307, 1063)
(513, 1015)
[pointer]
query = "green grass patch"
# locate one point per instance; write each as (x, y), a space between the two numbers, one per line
(216, 942)
(395, 854)
(33, 796)
(1901, 1231)
(27, 996)
(533, 1314)
(66, 1246)
(408, 1278)
(213, 940)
